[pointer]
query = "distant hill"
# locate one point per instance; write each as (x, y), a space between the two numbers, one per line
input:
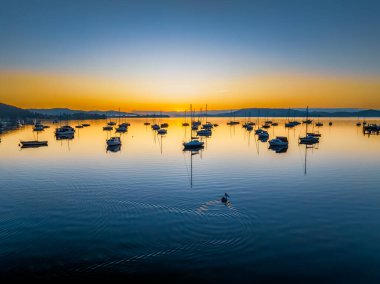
(272, 112)
(67, 111)
(12, 112)
(8, 111)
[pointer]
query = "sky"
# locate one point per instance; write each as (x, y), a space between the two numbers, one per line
(165, 55)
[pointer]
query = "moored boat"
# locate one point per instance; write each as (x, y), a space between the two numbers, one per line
(35, 143)
(162, 131)
(279, 141)
(114, 141)
(193, 144)
(64, 130)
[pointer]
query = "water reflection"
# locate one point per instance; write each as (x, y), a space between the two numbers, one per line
(79, 206)
(65, 137)
(192, 152)
(115, 148)
(279, 149)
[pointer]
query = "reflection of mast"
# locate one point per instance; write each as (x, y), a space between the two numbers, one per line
(191, 166)
(305, 159)
(192, 153)
(306, 149)
(161, 143)
(191, 170)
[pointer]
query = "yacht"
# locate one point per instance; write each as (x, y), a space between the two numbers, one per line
(207, 125)
(38, 127)
(186, 123)
(314, 134)
(258, 131)
(193, 144)
(85, 124)
(319, 124)
(204, 132)
(155, 127)
(290, 124)
(249, 127)
(112, 123)
(263, 135)
(64, 130)
(108, 127)
(233, 122)
(25, 144)
(307, 120)
(164, 125)
(121, 128)
(162, 131)
(279, 141)
(114, 141)
(308, 139)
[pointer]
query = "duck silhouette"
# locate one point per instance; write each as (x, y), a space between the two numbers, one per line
(224, 198)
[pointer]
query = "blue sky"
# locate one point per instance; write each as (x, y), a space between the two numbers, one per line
(242, 36)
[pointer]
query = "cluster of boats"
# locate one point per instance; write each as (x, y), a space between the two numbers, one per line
(371, 128)
(198, 129)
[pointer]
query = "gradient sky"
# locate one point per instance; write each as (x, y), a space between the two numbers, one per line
(164, 55)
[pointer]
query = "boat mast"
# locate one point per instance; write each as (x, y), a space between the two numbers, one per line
(307, 119)
(206, 113)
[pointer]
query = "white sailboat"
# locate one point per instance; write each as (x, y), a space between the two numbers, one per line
(194, 143)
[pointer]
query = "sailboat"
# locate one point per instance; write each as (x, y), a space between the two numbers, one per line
(185, 123)
(233, 122)
(33, 143)
(194, 143)
(111, 123)
(310, 138)
(79, 125)
(108, 127)
(65, 132)
(123, 127)
(307, 120)
(207, 125)
(289, 124)
(358, 123)
(206, 128)
(319, 123)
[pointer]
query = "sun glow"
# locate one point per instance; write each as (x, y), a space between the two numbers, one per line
(82, 92)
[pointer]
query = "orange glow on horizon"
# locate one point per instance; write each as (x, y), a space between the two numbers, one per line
(37, 90)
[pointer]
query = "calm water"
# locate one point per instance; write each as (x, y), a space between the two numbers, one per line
(152, 211)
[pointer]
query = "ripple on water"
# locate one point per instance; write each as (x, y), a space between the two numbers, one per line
(206, 228)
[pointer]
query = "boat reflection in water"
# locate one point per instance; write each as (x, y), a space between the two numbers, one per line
(33, 144)
(64, 137)
(279, 149)
(193, 152)
(113, 148)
